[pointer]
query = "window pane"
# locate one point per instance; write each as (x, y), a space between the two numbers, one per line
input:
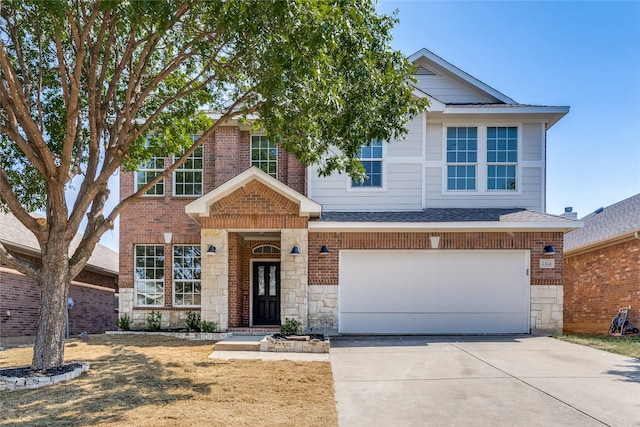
(261, 281)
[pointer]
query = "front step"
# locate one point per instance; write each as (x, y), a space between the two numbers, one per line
(240, 342)
(237, 346)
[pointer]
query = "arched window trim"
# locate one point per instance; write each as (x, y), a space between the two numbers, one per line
(266, 249)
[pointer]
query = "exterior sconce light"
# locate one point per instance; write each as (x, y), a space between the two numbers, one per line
(435, 242)
(549, 250)
(295, 250)
(168, 237)
(324, 250)
(211, 250)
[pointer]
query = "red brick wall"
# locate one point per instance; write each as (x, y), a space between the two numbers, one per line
(323, 269)
(597, 283)
(93, 310)
(226, 155)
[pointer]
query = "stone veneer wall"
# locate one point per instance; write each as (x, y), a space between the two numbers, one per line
(323, 309)
(215, 278)
(294, 276)
(546, 309)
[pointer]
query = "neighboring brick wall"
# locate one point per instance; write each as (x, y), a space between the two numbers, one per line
(597, 283)
(93, 310)
(323, 269)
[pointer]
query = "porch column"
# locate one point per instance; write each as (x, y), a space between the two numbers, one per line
(294, 276)
(215, 278)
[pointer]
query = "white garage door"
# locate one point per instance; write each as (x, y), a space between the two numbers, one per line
(434, 291)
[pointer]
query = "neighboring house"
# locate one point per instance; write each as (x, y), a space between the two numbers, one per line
(93, 291)
(602, 268)
(447, 234)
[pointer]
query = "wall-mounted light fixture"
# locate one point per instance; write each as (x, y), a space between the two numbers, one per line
(295, 250)
(324, 250)
(549, 250)
(167, 237)
(211, 250)
(435, 242)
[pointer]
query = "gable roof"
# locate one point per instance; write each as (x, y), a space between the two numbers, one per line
(619, 220)
(446, 219)
(457, 72)
(200, 207)
(495, 102)
(15, 235)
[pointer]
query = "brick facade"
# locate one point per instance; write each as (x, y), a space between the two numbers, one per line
(309, 292)
(323, 269)
(597, 283)
(93, 310)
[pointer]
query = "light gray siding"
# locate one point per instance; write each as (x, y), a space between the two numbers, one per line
(403, 191)
(450, 90)
(532, 142)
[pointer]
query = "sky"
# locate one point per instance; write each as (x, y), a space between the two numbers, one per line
(581, 54)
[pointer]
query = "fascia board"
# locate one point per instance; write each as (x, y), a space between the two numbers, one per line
(622, 237)
(460, 74)
(469, 226)
(434, 104)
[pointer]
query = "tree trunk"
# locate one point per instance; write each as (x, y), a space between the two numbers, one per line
(54, 282)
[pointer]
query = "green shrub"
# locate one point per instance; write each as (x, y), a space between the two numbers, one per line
(290, 327)
(153, 320)
(193, 321)
(124, 322)
(206, 326)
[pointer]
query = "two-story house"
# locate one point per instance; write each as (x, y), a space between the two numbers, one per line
(446, 235)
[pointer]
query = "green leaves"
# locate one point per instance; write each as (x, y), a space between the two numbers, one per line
(116, 82)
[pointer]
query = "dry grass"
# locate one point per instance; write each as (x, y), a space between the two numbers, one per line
(628, 345)
(160, 381)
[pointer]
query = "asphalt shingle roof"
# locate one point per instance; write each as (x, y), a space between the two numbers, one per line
(615, 220)
(13, 233)
(444, 215)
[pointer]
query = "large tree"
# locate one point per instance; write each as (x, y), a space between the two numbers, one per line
(89, 86)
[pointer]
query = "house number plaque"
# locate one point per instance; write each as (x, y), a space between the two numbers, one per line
(547, 263)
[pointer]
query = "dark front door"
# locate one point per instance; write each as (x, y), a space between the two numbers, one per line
(266, 293)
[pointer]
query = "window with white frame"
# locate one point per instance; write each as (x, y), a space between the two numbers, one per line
(186, 275)
(371, 159)
(187, 179)
(264, 154)
(146, 172)
(149, 275)
(462, 158)
(502, 158)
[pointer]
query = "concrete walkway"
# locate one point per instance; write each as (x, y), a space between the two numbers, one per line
(482, 381)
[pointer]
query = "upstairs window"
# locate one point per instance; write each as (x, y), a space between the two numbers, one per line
(264, 154)
(371, 160)
(502, 158)
(149, 273)
(147, 171)
(462, 158)
(187, 179)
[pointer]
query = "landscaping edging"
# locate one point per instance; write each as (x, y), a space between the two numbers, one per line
(192, 336)
(14, 383)
(299, 345)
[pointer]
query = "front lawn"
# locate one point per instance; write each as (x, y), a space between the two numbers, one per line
(625, 345)
(161, 381)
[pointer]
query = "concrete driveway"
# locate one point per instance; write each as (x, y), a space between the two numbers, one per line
(481, 381)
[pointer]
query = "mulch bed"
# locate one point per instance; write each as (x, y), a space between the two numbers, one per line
(27, 372)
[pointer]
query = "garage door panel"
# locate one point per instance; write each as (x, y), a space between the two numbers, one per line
(422, 323)
(426, 291)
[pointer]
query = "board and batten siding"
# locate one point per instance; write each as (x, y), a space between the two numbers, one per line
(402, 179)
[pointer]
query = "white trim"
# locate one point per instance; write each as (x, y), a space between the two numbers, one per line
(467, 226)
(173, 174)
(423, 156)
(173, 279)
(200, 207)
(430, 56)
(482, 165)
(383, 177)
